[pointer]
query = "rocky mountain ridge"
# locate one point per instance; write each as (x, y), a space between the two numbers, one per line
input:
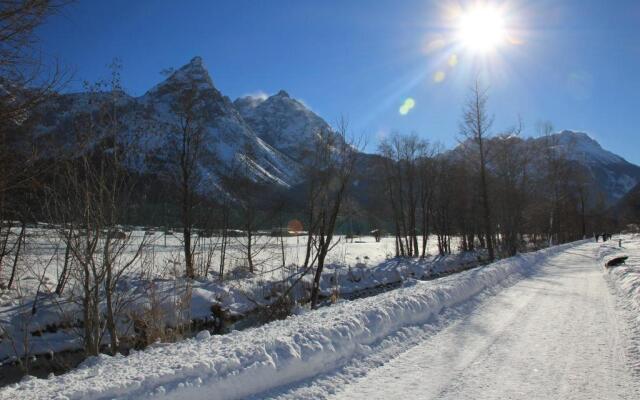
(265, 137)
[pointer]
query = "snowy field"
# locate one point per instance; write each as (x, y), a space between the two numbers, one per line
(155, 280)
(162, 255)
(537, 326)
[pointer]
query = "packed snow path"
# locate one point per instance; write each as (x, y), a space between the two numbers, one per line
(557, 334)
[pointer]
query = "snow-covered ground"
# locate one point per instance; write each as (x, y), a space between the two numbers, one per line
(555, 335)
(162, 254)
(540, 325)
(625, 280)
(155, 281)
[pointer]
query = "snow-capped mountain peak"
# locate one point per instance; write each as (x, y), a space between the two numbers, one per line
(581, 147)
(611, 175)
(154, 120)
(193, 74)
(282, 121)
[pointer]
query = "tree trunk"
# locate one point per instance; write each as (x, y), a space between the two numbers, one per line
(188, 257)
(315, 291)
(62, 281)
(249, 251)
(108, 290)
(17, 255)
(485, 203)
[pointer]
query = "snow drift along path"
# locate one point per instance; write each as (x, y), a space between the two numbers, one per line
(554, 334)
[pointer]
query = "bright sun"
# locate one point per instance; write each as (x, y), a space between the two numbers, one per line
(481, 29)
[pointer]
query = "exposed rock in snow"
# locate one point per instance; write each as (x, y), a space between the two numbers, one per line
(203, 335)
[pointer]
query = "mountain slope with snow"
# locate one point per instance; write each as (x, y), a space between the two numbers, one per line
(265, 137)
(609, 176)
(228, 141)
(283, 122)
(580, 146)
(153, 123)
(612, 175)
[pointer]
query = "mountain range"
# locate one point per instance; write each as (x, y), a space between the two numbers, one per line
(266, 135)
(608, 176)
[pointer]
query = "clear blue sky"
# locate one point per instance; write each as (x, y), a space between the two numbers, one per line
(575, 63)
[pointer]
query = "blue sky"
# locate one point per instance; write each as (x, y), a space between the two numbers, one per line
(574, 63)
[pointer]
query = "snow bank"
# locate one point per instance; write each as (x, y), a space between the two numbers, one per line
(252, 361)
(626, 281)
(626, 277)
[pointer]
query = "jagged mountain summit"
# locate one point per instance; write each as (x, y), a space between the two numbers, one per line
(579, 146)
(229, 141)
(153, 120)
(283, 122)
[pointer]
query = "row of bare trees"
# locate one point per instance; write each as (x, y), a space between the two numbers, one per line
(26, 80)
(498, 192)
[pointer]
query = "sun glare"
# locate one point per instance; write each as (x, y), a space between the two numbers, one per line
(481, 29)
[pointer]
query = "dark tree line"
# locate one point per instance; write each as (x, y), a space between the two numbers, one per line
(497, 192)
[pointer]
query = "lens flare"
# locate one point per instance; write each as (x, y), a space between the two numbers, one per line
(453, 60)
(407, 106)
(295, 226)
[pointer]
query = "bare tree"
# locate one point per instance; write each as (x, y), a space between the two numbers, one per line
(475, 127)
(557, 174)
(334, 157)
(190, 110)
(92, 198)
(407, 189)
(447, 201)
(25, 82)
(426, 167)
(512, 164)
(224, 236)
(256, 204)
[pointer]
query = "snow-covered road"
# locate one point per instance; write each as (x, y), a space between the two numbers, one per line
(555, 335)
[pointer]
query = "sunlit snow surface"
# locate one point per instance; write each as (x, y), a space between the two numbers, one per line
(351, 266)
(545, 325)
